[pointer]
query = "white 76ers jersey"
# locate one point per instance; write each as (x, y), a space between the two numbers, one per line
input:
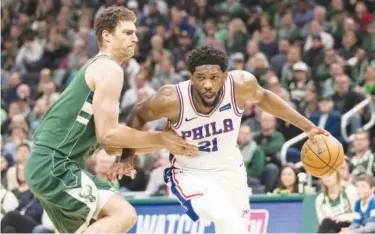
(214, 133)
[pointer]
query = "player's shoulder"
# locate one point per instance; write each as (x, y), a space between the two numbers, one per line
(104, 65)
(242, 78)
(166, 96)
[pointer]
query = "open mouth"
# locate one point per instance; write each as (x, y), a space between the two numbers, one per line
(209, 96)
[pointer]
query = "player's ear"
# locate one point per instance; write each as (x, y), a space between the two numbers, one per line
(225, 76)
(106, 35)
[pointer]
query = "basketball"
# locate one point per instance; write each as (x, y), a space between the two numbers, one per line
(322, 155)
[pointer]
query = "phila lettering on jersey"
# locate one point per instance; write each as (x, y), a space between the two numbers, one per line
(214, 133)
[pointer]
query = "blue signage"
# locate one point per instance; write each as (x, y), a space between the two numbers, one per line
(266, 217)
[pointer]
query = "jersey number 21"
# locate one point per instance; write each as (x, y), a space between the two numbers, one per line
(208, 146)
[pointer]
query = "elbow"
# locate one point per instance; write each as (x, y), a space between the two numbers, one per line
(104, 138)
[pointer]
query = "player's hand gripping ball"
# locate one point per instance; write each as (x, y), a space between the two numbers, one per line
(322, 155)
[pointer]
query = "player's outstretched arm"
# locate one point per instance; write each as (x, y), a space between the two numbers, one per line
(163, 104)
(107, 79)
(247, 88)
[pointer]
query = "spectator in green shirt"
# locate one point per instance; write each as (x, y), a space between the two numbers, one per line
(270, 141)
(253, 156)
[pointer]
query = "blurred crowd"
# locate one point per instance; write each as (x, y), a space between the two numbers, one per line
(318, 55)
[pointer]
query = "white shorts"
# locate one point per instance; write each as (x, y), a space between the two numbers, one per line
(215, 190)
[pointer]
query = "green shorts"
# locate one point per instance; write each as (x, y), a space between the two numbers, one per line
(71, 196)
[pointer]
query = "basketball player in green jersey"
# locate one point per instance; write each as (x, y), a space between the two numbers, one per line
(85, 116)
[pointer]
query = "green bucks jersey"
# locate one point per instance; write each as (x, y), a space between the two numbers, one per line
(68, 127)
(363, 164)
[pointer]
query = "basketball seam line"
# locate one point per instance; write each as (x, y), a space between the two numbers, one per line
(330, 155)
(329, 167)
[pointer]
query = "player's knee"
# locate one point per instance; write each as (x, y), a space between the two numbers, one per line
(127, 217)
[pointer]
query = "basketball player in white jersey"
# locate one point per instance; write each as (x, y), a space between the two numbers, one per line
(206, 111)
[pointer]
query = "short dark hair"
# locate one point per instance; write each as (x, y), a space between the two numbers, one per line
(370, 180)
(109, 19)
(207, 55)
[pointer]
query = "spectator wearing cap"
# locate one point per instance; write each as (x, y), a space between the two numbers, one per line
(315, 30)
(286, 74)
(237, 36)
(326, 117)
(315, 55)
(237, 62)
(297, 85)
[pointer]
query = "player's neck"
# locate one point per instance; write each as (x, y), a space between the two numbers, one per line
(113, 56)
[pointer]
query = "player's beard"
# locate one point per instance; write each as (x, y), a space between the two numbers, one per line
(214, 103)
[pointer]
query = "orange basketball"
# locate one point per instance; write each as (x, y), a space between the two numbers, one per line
(322, 155)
